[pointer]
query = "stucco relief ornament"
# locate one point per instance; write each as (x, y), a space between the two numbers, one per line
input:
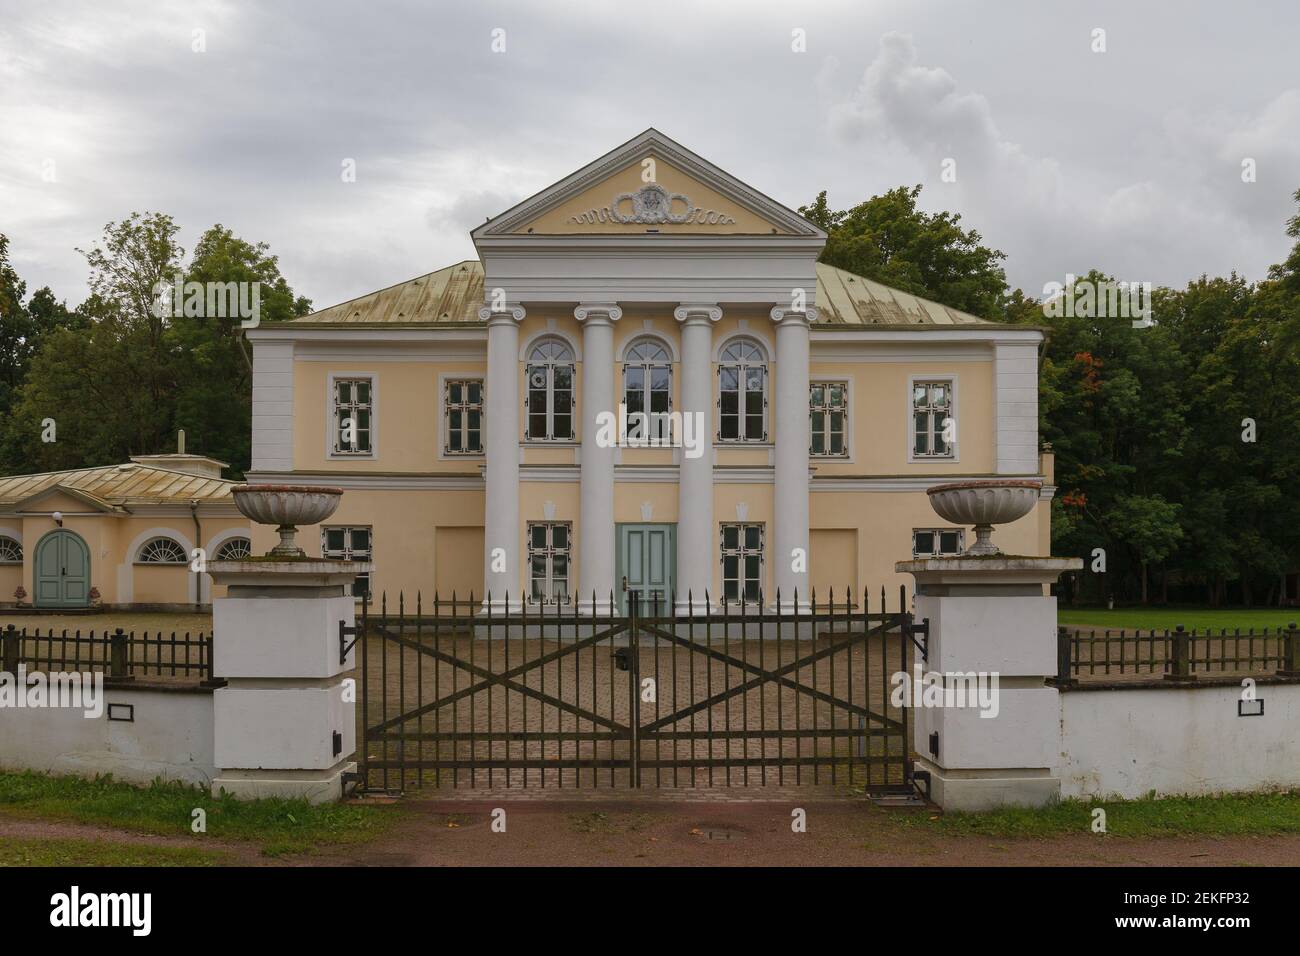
(652, 205)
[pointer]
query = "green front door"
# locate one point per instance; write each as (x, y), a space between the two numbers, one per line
(62, 571)
(647, 565)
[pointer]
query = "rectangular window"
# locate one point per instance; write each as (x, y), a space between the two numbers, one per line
(828, 418)
(549, 402)
(463, 417)
(353, 416)
(742, 563)
(350, 544)
(933, 427)
(549, 544)
(938, 542)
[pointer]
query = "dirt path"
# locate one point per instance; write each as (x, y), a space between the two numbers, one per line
(842, 833)
(232, 854)
(713, 832)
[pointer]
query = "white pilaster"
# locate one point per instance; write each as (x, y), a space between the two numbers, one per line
(502, 570)
(272, 405)
(697, 538)
(596, 513)
(1015, 377)
(789, 552)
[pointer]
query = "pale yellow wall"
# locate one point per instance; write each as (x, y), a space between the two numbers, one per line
(879, 416)
(629, 496)
(458, 562)
(404, 525)
(629, 179)
(885, 521)
(832, 564)
(409, 435)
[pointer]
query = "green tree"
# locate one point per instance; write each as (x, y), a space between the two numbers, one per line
(888, 239)
(136, 372)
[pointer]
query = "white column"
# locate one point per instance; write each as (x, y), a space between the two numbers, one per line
(697, 538)
(501, 557)
(790, 506)
(596, 512)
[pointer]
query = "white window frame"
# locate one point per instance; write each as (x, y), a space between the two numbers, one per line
(17, 544)
(444, 407)
(549, 438)
(348, 553)
(954, 454)
(961, 542)
(182, 561)
(550, 551)
(331, 450)
(742, 439)
(229, 542)
(846, 454)
(740, 552)
(647, 366)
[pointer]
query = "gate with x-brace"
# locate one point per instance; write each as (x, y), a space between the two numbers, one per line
(461, 693)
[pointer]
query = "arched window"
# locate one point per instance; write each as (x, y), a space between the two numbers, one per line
(162, 551)
(648, 390)
(742, 392)
(11, 552)
(235, 549)
(549, 402)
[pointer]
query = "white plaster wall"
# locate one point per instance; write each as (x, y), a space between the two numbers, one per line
(1176, 740)
(170, 738)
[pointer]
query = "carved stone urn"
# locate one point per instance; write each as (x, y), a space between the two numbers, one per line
(984, 503)
(286, 506)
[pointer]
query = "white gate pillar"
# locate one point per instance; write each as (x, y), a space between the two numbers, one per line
(990, 622)
(285, 723)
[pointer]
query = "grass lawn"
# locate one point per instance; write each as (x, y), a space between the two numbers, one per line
(1226, 815)
(1160, 618)
(62, 852)
(277, 826)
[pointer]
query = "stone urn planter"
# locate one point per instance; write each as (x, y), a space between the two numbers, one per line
(984, 503)
(286, 506)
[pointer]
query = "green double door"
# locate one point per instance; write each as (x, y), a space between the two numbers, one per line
(646, 558)
(62, 571)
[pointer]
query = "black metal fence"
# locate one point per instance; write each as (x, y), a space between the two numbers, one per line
(1179, 654)
(471, 693)
(117, 654)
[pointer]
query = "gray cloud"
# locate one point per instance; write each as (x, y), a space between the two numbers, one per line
(1130, 162)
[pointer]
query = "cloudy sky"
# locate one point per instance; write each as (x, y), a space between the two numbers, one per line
(1128, 160)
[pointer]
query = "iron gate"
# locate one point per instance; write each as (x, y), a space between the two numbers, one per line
(457, 694)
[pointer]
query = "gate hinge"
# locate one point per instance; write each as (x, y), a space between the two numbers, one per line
(344, 644)
(913, 630)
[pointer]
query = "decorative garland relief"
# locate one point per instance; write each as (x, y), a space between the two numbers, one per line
(652, 205)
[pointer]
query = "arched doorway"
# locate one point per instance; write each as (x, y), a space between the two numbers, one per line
(61, 571)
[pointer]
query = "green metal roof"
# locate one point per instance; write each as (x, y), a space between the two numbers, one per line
(455, 294)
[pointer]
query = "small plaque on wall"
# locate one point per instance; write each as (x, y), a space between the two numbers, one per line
(125, 712)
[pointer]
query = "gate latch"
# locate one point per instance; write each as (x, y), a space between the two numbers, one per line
(344, 644)
(622, 658)
(913, 630)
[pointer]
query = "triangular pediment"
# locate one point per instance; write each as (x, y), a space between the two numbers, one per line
(63, 498)
(650, 184)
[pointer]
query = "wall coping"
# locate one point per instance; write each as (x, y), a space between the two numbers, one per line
(303, 573)
(994, 569)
